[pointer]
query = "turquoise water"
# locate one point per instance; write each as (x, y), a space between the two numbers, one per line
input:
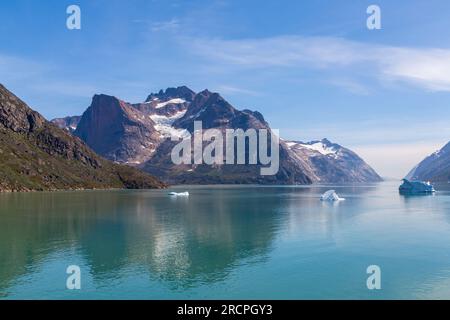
(231, 242)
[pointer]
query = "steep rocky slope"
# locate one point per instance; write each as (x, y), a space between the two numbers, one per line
(333, 163)
(435, 167)
(215, 112)
(37, 155)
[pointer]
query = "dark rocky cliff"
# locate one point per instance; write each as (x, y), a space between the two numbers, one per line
(37, 155)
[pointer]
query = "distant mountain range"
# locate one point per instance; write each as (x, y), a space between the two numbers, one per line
(137, 134)
(68, 123)
(435, 167)
(37, 155)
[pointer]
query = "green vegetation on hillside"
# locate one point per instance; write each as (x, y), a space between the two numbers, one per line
(35, 155)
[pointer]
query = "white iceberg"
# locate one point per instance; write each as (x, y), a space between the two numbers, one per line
(179, 194)
(331, 195)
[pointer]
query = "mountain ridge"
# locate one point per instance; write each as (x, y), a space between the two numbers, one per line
(435, 167)
(173, 112)
(334, 163)
(36, 155)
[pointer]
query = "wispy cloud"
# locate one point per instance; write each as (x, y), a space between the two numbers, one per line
(350, 85)
(278, 51)
(227, 89)
(18, 69)
(427, 68)
(37, 77)
(170, 25)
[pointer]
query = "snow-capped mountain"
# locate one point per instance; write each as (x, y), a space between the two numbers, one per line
(332, 163)
(215, 112)
(435, 167)
(316, 148)
(137, 134)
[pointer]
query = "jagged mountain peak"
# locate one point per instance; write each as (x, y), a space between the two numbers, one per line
(208, 105)
(138, 136)
(210, 108)
(117, 130)
(216, 100)
(327, 142)
(202, 97)
(182, 92)
(206, 92)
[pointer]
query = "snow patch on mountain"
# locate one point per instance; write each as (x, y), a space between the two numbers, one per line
(164, 125)
(315, 146)
(198, 113)
(291, 144)
(320, 147)
(172, 101)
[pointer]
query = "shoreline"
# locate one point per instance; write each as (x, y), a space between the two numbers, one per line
(217, 185)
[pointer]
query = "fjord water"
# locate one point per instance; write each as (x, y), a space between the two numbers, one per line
(231, 242)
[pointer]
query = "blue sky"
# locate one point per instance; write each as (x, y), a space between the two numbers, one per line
(311, 67)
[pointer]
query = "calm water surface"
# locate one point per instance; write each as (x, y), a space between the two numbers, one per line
(240, 242)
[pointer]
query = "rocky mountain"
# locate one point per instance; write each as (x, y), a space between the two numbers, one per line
(117, 130)
(67, 123)
(138, 135)
(215, 112)
(333, 163)
(435, 167)
(182, 92)
(130, 133)
(37, 155)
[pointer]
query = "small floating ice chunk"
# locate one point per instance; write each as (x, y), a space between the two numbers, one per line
(331, 195)
(179, 194)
